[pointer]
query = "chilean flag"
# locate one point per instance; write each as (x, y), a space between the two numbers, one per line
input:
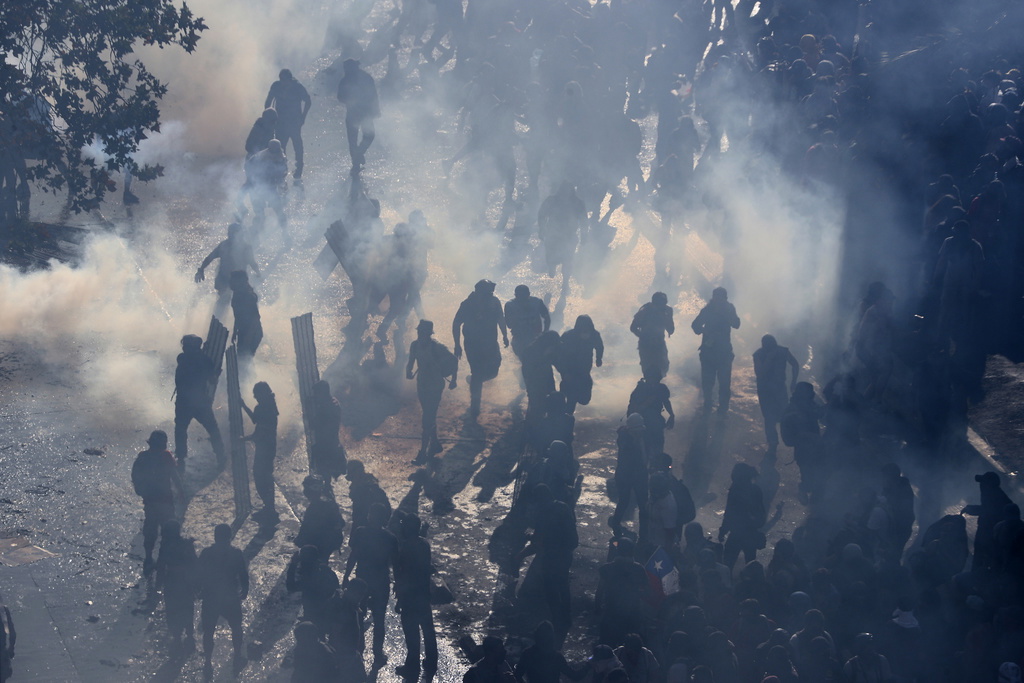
(662, 574)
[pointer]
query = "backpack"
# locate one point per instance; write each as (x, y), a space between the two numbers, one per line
(789, 429)
(146, 475)
(447, 363)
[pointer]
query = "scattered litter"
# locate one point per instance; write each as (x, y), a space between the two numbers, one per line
(93, 451)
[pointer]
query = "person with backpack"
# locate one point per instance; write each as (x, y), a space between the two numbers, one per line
(154, 477)
(433, 363)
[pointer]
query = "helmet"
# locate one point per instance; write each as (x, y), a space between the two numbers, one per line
(635, 421)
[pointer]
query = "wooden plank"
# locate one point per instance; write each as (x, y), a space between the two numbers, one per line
(213, 347)
(308, 372)
(239, 459)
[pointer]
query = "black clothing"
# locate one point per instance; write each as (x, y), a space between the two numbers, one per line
(575, 360)
(193, 378)
(715, 323)
(412, 590)
(317, 584)
(526, 318)
(176, 572)
(248, 332)
(648, 399)
(744, 516)
(322, 526)
(650, 324)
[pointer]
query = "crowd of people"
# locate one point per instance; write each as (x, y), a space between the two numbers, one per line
(810, 85)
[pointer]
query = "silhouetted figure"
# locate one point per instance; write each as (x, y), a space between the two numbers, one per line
(639, 662)
(176, 575)
(247, 332)
(539, 360)
(322, 524)
(989, 512)
(264, 438)
(715, 323)
(492, 667)
(329, 458)
(631, 474)
(345, 630)
(686, 510)
(527, 317)
(365, 492)
(622, 591)
(8, 639)
(192, 379)
(261, 133)
(744, 516)
(265, 174)
(770, 363)
(479, 318)
(899, 501)
(554, 541)
(291, 101)
(154, 477)
(374, 550)
(234, 253)
(650, 324)
(310, 575)
(542, 662)
(413, 569)
(314, 660)
(560, 219)
(867, 666)
(801, 429)
(581, 349)
(224, 585)
(358, 92)
(433, 363)
(874, 339)
(650, 399)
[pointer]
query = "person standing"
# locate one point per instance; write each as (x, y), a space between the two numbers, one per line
(358, 92)
(554, 542)
(650, 324)
(770, 363)
(192, 379)
(582, 348)
(373, 554)
(744, 516)
(631, 475)
(154, 477)
(224, 585)
(248, 329)
(323, 525)
(527, 317)
(176, 574)
(715, 323)
(412, 590)
(480, 317)
(433, 363)
(291, 101)
(329, 458)
(801, 429)
(264, 438)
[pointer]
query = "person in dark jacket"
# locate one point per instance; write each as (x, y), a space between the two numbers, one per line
(315, 660)
(650, 324)
(264, 436)
(248, 329)
(413, 568)
(291, 101)
(744, 516)
(224, 585)
(358, 92)
(193, 398)
(989, 512)
(715, 323)
(582, 348)
(155, 478)
(478, 319)
(176, 575)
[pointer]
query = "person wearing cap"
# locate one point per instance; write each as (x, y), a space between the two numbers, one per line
(430, 362)
(155, 477)
(989, 512)
(292, 102)
(631, 474)
(527, 317)
(650, 324)
(479, 318)
(358, 92)
(265, 173)
(193, 399)
(715, 323)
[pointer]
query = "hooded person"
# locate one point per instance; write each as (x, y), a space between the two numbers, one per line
(581, 349)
